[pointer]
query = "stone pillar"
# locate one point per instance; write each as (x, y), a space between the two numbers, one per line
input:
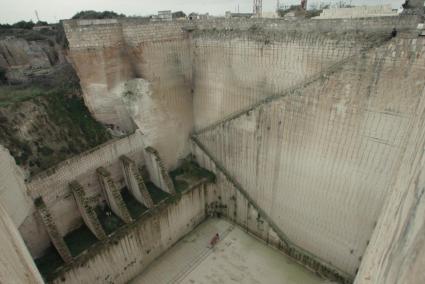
(87, 212)
(17, 265)
(158, 173)
(113, 195)
(135, 182)
(53, 232)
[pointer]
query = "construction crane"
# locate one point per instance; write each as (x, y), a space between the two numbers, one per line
(36, 15)
(258, 7)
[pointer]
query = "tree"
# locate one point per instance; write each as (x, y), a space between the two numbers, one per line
(90, 14)
(23, 25)
(41, 23)
(179, 14)
(3, 78)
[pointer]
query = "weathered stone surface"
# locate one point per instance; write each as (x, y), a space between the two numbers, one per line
(53, 232)
(87, 212)
(17, 265)
(396, 252)
(113, 195)
(157, 170)
(24, 59)
(13, 191)
(320, 160)
(135, 182)
(53, 186)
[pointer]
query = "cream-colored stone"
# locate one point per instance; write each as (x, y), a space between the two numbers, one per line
(16, 265)
(13, 190)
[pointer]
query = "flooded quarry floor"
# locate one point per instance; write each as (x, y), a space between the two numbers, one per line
(236, 258)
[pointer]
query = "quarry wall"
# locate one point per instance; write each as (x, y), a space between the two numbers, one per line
(226, 198)
(320, 160)
(132, 248)
(189, 70)
(234, 70)
(17, 265)
(311, 118)
(13, 191)
(106, 55)
(396, 253)
(238, 63)
(53, 187)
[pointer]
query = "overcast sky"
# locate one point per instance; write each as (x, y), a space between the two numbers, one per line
(12, 11)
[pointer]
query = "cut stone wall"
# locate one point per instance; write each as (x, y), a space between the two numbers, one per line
(227, 198)
(133, 247)
(87, 211)
(358, 12)
(107, 56)
(320, 160)
(17, 265)
(396, 253)
(113, 195)
(159, 174)
(236, 69)
(53, 186)
(13, 191)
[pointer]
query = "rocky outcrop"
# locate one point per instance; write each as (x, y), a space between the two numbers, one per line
(25, 60)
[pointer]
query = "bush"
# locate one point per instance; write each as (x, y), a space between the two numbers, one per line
(97, 15)
(179, 14)
(3, 78)
(23, 25)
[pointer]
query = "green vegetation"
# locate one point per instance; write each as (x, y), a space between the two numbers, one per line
(134, 207)
(71, 113)
(110, 222)
(58, 125)
(90, 14)
(23, 25)
(189, 173)
(16, 94)
(178, 15)
(156, 193)
(2, 75)
(49, 262)
(80, 240)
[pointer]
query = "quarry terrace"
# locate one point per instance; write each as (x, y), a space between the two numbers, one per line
(216, 150)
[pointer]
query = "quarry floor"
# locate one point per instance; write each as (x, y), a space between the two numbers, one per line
(236, 258)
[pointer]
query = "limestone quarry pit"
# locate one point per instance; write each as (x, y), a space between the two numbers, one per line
(301, 142)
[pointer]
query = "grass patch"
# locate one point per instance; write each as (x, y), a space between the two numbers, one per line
(156, 193)
(189, 172)
(109, 221)
(61, 126)
(16, 94)
(70, 112)
(80, 240)
(49, 262)
(180, 185)
(134, 207)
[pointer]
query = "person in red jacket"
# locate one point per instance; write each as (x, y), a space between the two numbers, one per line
(214, 240)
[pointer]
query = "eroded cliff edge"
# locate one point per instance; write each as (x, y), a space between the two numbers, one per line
(43, 118)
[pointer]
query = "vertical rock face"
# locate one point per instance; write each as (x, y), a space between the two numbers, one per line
(320, 160)
(310, 118)
(107, 54)
(233, 71)
(16, 263)
(23, 59)
(12, 188)
(396, 253)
